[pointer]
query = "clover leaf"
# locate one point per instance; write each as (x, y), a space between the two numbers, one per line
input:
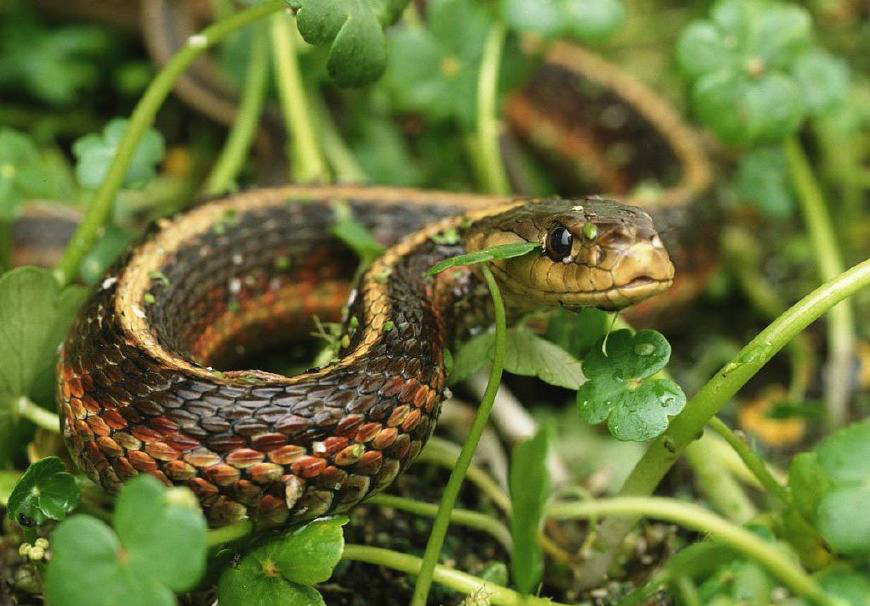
(741, 62)
(577, 333)
(823, 79)
(831, 486)
(283, 571)
(585, 20)
(35, 313)
(23, 173)
(95, 152)
(435, 70)
(157, 548)
(45, 492)
(355, 30)
(763, 179)
(530, 489)
(621, 390)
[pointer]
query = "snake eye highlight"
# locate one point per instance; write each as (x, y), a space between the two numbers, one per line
(559, 242)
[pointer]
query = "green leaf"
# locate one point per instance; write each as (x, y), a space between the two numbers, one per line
(94, 153)
(575, 332)
(281, 571)
(434, 70)
(847, 584)
(763, 179)
(35, 314)
(45, 491)
(831, 487)
(702, 49)
(823, 79)
(621, 389)
(159, 549)
(355, 235)
(471, 356)
(355, 31)
(529, 489)
(743, 111)
(24, 174)
(589, 21)
(54, 62)
(502, 251)
(528, 354)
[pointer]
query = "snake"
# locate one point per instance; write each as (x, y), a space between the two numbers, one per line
(149, 379)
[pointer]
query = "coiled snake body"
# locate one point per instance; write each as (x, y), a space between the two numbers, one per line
(140, 388)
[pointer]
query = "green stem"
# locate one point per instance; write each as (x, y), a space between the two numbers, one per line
(717, 485)
(340, 157)
(752, 460)
(307, 162)
(444, 453)
(841, 326)
(228, 534)
(37, 415)
(689, 424)
(241, 135)
(488, 126)
(141, 119)
(464, 517)
(779, 563)
(454, 483)
(453, 579)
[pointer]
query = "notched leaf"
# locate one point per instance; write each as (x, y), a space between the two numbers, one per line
(621, 389)
(45, 492)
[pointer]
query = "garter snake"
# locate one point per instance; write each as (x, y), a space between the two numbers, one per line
(144, 379)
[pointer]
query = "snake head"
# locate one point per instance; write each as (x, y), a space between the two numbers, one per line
(593, 253)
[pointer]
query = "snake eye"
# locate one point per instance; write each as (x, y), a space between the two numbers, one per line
(559, 242)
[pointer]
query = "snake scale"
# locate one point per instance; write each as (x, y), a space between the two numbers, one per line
(143, 377)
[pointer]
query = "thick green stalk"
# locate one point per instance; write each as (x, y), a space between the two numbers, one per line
(241, 135)
(697, 518)
(751, 459)
(488, 127)
(463, 517)
(453, 579)
(454, 483)
(841, 324)
(307, 161)
(141, 119)
(227, 534)
(689, 424)
(338, 155)
(717, 485)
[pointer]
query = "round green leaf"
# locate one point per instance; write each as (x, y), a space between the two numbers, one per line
(593, 21)
(702, 49)
(307, 555)
(844, 519)
(166, 541)
(763, 180)
(94, 153)
(256, 581)
(91, 568)
(743, 110)
(823, 79)
(45, 491)
(620, 390)
(845, 456)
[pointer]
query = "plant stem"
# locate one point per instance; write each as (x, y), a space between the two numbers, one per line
(717, 485)
(753, 461)
(841, 326)
(141, 119)
(307, 162)
(37, 415)
(454, 579)
(689, 424)
(697, 518)
(227, 534)
(465, 517)
(340, 157)
(488, 127)
(242, 132)
(451, 491)
(441, 452)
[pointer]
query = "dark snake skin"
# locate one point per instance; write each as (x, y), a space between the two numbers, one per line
(253, 443)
